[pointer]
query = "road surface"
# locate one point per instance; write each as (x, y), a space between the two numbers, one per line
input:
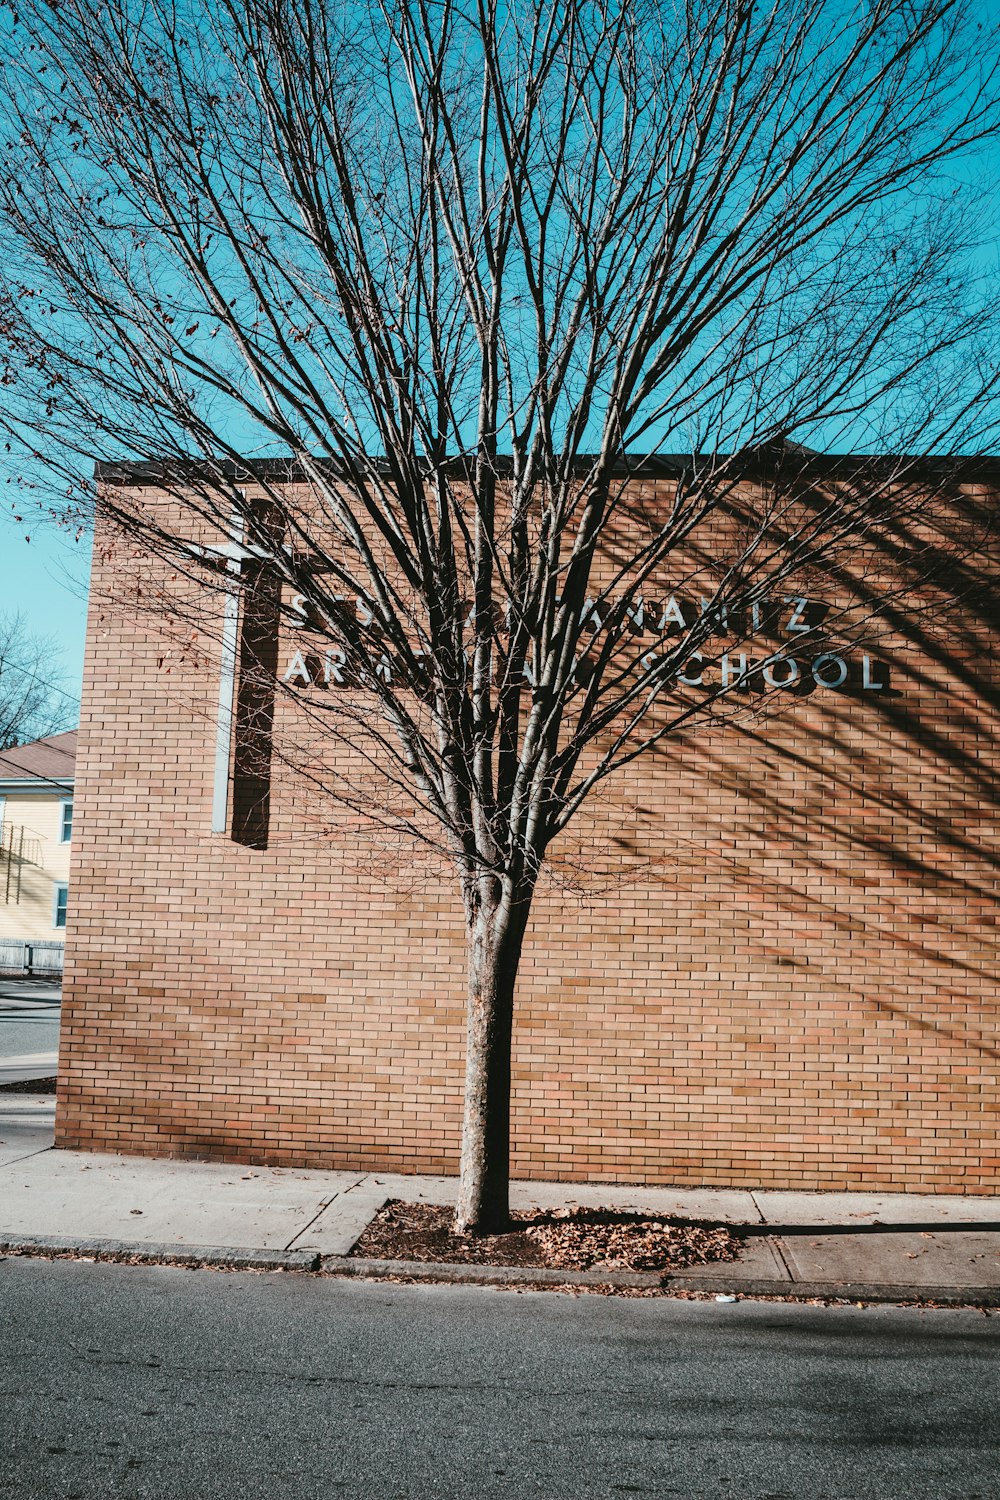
(138, 1382)
(29, 1028)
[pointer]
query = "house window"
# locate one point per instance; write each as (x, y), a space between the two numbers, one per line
(59, 914)
(67, 822)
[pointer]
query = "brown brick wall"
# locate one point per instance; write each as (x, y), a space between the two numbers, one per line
(770, 957)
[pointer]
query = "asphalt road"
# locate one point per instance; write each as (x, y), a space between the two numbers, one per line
(134, 1382)
(29, 1026)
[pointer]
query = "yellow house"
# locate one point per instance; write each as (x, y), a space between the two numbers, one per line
(36, 825)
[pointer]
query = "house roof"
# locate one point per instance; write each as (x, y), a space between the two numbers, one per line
(49, 762)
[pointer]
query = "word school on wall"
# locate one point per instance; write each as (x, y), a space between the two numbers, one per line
(792, 618)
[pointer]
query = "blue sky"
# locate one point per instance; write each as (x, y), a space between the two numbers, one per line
(45, 580)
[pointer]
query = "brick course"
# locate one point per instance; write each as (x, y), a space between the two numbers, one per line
(779, 968)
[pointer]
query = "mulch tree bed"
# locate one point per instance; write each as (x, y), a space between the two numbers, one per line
(30, 1086)
(568, 1239)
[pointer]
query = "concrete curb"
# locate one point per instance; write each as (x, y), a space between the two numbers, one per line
(456, 1274)
(842, 1291)
(456, 1271)
(849, 1291)
(152, 1254)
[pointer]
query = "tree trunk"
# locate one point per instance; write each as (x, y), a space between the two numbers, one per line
(495, 933)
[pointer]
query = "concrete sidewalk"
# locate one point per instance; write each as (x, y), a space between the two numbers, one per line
(891, 1246)
(27, 1124)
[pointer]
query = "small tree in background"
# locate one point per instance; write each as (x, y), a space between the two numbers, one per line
(461, 266)
(33, 700)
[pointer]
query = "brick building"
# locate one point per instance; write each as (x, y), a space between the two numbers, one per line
(778, 967)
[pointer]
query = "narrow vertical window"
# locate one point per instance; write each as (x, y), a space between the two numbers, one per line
(60, 897)
(67, 822)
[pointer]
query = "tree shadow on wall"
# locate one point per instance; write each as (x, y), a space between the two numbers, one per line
(855, 832)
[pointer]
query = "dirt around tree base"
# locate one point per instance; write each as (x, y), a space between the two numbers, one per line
(569, 1239)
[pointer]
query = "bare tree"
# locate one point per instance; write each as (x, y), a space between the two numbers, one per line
(34, 701)
(462, 266)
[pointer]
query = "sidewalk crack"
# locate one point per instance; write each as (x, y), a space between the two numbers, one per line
(779, 1251)
(320, 1212)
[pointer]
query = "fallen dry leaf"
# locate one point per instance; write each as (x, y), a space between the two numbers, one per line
(568, 1239)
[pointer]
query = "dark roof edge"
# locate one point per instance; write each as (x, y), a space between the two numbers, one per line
(37, 783)
(656, 465)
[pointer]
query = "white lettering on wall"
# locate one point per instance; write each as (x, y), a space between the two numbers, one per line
(298, 671)
(731, 674)
(683, 675)
(790, 666)
(797, 623)
(672, 615)
(333, 667)
(829, 671)
(868, 681)
(735, 669)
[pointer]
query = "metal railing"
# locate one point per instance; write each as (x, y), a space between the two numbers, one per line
(19, 846)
